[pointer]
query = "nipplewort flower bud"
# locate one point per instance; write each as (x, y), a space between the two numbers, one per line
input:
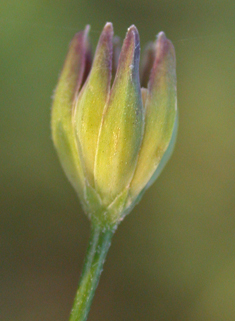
(113, 137)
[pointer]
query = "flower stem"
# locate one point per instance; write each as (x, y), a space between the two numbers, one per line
(99, 244)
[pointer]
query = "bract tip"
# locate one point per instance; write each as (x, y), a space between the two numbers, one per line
(161, 35)
(108, 26)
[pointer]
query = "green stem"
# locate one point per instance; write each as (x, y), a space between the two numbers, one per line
(99, 244)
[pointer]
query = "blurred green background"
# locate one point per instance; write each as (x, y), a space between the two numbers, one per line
(173, 258)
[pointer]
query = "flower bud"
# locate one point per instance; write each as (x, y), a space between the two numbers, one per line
(113, 142)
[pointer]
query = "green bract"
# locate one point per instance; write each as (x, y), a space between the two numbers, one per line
(114, 140)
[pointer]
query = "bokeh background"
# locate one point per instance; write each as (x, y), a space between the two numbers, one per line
(173, 258)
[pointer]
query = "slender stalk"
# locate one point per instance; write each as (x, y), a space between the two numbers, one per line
(99, 244)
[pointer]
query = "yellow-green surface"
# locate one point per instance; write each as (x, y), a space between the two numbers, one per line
(173, 258)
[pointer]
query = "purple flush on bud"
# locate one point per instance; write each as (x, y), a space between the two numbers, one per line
(113, 133)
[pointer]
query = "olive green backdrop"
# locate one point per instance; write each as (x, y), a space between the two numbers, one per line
(173, 257)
